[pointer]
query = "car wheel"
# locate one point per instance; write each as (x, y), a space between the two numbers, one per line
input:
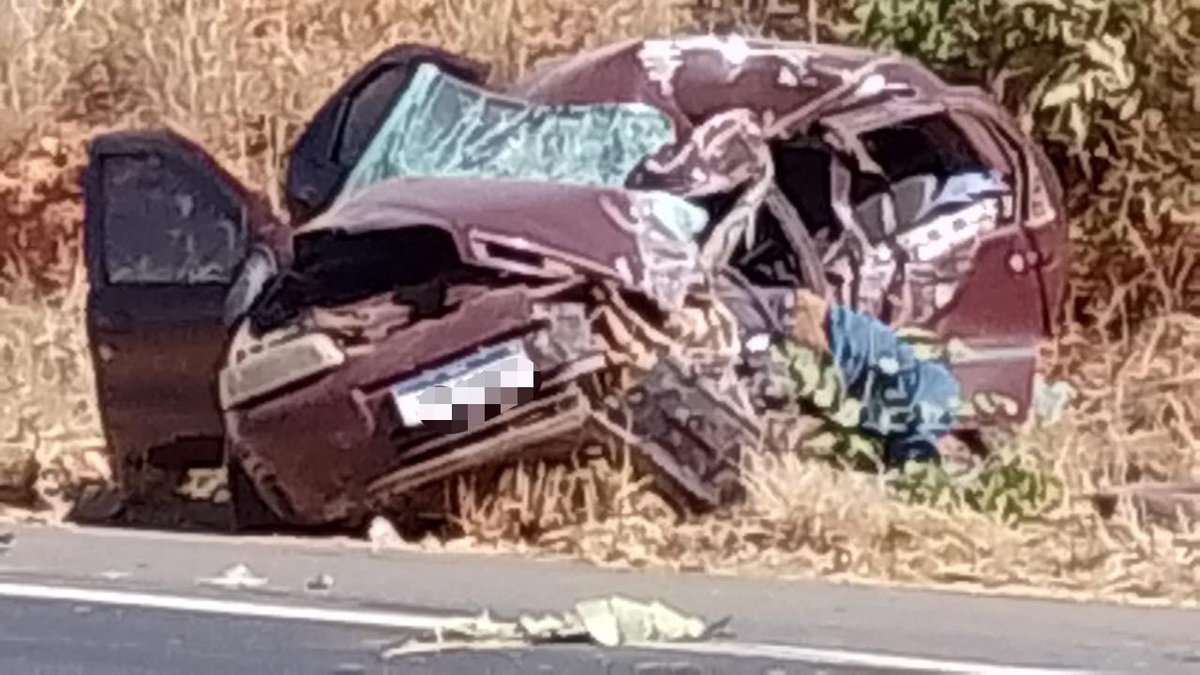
(249, 511)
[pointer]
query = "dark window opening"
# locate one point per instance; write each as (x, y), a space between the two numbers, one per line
(335, 268)
(768, 259)
(717, 205)
(924, 145)
(917, 158)
(165, 224)
(365, 111)
(803, 172)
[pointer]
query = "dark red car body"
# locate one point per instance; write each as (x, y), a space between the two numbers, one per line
(817, 167)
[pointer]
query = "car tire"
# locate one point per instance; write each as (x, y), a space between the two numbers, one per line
(248, 510)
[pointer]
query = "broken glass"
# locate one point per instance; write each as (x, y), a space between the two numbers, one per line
(442, 126)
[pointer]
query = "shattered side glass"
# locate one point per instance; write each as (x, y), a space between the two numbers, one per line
(160, 228)
(442, 127)
(676, 216)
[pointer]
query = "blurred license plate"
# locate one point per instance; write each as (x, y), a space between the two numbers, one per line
(467, 391)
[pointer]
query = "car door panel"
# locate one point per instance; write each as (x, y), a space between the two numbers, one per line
(1038, 203)
(165, 233)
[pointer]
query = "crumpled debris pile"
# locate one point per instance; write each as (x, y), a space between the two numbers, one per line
(608, 622)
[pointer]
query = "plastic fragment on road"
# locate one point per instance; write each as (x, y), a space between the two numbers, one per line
(320, 582)
(238, 576)
(114, 575)
(382, 534)
(608, 622)
(618, 620)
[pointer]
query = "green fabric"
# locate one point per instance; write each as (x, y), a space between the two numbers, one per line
(441, 126)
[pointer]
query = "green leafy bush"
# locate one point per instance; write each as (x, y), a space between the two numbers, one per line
(1012, 487)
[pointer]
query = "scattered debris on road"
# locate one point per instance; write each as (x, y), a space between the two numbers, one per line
(114, 575)
(321, 582)
(238, 576)
(382, 534)
(608, 622)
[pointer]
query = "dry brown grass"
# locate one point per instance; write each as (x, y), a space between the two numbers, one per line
(241, 77)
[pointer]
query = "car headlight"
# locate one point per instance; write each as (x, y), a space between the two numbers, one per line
(277, 366)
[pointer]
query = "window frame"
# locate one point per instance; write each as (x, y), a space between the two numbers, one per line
(190, 171)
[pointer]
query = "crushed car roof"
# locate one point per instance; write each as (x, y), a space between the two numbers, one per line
(693, 77)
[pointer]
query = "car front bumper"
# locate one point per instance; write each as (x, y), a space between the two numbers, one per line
(315, 452)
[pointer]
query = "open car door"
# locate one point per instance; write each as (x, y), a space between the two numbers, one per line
(166, 233)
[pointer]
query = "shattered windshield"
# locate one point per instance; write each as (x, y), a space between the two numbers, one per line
(441, 126)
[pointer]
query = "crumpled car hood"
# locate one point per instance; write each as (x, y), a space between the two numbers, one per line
(645, 240)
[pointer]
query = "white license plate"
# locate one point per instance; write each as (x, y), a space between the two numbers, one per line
(469, 390)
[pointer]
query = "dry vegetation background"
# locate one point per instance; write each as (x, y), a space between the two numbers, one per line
(1111, 87)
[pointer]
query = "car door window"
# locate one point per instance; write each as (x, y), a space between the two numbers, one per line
(998, 152)
(162, 225)
(928, 165)
(366, 110)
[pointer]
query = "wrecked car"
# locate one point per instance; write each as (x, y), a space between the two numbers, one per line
(470, 274)
(862, 176)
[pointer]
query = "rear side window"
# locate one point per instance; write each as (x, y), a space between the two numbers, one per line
(366, 110)
(167, 224)
(925, 161)
(930, 145)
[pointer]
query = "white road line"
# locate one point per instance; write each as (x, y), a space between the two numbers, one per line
(839, 657)
(406, 621)
(181, 603)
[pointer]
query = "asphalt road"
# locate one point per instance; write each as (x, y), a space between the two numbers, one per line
(53, 638)
(106, 601)
(68, 637)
